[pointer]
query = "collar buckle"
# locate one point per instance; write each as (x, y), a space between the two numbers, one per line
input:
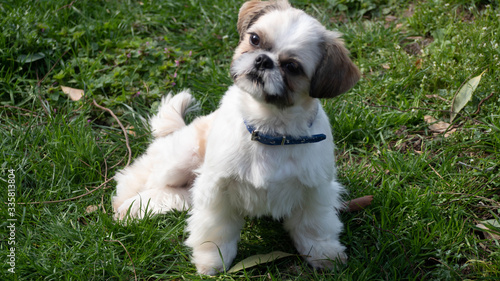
(283, 140)
(255, 135)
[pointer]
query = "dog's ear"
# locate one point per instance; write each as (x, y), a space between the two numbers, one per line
(252, 10)
(336, 73)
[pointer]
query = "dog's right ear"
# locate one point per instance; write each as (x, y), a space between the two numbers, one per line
(336, 73)
(252, 10)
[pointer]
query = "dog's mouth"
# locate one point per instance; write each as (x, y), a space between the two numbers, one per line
(281, 99)
(265, 84)
(255, 77)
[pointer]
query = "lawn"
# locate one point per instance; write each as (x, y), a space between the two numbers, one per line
(435, 180)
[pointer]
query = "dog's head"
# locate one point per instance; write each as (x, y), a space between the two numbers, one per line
(285, 54)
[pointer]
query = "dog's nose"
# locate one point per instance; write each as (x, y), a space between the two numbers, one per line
(263, 62)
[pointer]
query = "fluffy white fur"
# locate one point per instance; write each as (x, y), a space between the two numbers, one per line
(214, 169)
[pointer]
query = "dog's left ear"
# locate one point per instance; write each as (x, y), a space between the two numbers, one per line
(336, 73)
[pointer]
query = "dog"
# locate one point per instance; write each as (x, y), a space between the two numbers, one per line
(266, 151)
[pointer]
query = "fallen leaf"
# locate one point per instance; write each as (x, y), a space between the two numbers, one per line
(438, 126)
(30, 58)
(360, 203)
(91, 209)
(386, 66)
(390, 18)
(74, 94)
(491, 229)
(258, 259)
(130, 130)
(464, 95)
(418, 64)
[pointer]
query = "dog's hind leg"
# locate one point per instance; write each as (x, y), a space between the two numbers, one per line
(154, 201)
(159, 181)
(166, 169)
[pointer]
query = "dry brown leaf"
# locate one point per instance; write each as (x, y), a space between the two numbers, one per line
(74, 94)
(390, 18)
(386, 66)
(359, 203)
(91, 209)
(418, 64)
(438, 127)
(130, 130)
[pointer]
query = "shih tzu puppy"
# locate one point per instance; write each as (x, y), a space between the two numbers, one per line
(267, 150)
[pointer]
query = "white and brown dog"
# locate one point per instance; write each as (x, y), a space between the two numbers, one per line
(267, 150)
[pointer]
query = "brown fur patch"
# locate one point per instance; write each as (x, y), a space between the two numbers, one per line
(252, 10)
(336, 74)
(202, 126)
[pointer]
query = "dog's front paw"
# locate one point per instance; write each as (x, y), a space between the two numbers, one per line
(210, 258)
(326, 256)
(208, 262)
(209, 269)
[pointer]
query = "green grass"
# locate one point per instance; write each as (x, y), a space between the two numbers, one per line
(430, 191)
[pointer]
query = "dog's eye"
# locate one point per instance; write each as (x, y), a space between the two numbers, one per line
(292, 67)
(254, 39)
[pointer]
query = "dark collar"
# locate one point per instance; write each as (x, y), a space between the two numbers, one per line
(282, 139)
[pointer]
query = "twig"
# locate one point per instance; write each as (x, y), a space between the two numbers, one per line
(39, 83)
(43, 105)
(105, 163)
(128, 254)
(437, 97)
(476, 168)
(121, 126)
(86, 164)
(18, 108)
(67, 6)
(118, 163)
(52, 68)
(487, 207)
(481, 103)
(67, 199)
(439, 175)
(471, 195)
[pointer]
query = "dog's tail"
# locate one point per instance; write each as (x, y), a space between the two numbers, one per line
(170, 116)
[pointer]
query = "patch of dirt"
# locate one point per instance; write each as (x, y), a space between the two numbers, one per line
(340, 18)
(465, 15)
(410, 11)
(413, 45)
(413, 143)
